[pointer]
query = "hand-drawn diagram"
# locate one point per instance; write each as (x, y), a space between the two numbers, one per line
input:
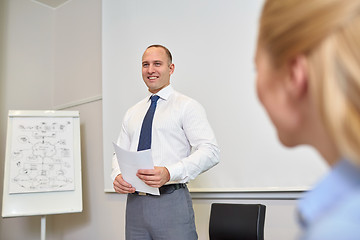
(42, 155)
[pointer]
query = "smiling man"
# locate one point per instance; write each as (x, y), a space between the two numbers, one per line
(183, 146)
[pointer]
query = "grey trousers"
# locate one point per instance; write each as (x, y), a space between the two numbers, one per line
(169, 216)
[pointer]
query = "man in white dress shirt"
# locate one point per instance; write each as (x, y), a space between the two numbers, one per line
(183, 146)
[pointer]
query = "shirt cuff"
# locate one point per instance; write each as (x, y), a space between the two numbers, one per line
(114, 173)
(177, 172)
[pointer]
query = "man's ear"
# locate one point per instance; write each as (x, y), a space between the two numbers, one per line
(297, 84)
(172, 68)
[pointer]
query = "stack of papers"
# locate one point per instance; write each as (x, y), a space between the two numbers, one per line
(130, 163)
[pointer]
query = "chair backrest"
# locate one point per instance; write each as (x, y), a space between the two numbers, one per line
(237, 221)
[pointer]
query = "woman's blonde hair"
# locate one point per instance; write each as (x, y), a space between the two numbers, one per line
(327, 32)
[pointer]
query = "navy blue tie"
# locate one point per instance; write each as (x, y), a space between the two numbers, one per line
(146, 128)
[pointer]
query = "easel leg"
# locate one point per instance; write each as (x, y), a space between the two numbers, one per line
(43, 227)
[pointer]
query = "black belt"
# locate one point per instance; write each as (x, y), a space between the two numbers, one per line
(166, 189)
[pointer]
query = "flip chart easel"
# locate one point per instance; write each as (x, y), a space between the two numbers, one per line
(42, 173)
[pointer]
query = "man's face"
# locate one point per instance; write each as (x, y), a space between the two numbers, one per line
(156, 69)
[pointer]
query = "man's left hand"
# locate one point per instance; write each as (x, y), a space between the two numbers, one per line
(154, 177)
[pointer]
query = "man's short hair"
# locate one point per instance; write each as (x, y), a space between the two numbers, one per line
(168, 53)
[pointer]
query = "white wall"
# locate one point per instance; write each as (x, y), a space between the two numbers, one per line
(26, 69)
(51, 58)
(77, 53)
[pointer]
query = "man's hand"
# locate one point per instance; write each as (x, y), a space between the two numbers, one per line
(154, 177)
(121, 186)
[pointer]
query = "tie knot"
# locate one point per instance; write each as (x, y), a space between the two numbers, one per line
(154, 98)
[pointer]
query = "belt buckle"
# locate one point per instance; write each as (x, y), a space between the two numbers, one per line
(142, 193)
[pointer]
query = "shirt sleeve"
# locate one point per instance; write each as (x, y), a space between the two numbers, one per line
(205, 151)
(124, 142)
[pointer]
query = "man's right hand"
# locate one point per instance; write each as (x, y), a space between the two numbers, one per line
(121, 186)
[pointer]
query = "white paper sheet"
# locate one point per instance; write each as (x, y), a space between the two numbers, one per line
(130, 163)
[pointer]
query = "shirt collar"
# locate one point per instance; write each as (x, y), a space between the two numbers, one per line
(343, 179)
(164, 93)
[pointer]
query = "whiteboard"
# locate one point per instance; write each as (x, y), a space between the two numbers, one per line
(213, 44)
(42, 164)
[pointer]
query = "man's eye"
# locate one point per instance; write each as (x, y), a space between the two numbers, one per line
(158, 64)
(145, 64)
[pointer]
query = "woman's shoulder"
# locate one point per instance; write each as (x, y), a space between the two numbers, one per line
(340, 222)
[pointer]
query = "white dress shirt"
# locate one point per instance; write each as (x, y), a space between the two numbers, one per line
(182, 139)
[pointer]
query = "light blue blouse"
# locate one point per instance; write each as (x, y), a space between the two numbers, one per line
(332, 209)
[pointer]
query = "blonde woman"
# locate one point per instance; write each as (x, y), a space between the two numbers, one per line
(308, 80)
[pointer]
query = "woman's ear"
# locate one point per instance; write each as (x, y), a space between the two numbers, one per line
(297, 84)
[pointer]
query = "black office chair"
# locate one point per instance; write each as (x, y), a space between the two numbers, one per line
(237, 221)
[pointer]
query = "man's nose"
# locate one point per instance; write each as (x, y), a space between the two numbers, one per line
(151, 68)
